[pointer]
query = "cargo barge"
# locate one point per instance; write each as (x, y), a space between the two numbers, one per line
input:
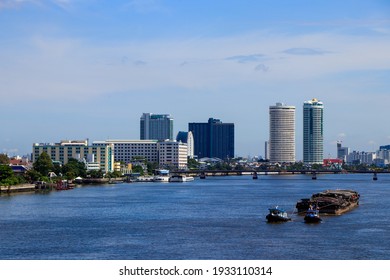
(334, 202)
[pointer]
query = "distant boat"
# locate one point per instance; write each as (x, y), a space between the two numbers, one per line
(277, 215)
(159, 178)
(144, 179)
(181, 178)
(162, 175)
(312, 216)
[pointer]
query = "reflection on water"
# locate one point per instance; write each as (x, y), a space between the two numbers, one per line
(215, 218)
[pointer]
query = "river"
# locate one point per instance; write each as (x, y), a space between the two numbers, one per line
(218, 218)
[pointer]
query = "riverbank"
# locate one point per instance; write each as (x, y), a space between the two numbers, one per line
(17, 188)
(23, 188)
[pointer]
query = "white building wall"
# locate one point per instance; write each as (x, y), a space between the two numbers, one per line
(190, 145)
(282, 133)
(126, 150)
(362, 157)
(172, 153)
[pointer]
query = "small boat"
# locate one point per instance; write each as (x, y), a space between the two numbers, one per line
(144, 179)
(180, 178)
(161, 179)
(162, 175)
(277, 215)
(312, 216)
(254, 175)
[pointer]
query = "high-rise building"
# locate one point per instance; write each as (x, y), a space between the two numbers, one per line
(342, 152)
(156, 127)
(266, 150)
(281, 133)
(313, 131)
(213, 139)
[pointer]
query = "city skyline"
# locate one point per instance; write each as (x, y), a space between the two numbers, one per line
(89, 69)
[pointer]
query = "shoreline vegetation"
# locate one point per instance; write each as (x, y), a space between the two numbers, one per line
(70, 184)
(44, 174)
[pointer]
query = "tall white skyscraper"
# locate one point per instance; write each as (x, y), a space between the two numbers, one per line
(281, 133)
(313, 132)
(156, 127)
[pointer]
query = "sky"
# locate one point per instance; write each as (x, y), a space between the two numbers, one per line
(78, 69)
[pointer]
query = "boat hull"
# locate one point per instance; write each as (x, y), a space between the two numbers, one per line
(332, 202)
(275, 219)
(312, 219)
(180, 179)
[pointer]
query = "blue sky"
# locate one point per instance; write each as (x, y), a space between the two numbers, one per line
(76, 69)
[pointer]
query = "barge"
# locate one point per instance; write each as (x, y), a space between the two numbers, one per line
(334, 202)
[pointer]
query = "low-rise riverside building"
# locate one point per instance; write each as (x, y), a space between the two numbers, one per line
(95, 156)
(165, 153)
(172, 153)
(128, 150)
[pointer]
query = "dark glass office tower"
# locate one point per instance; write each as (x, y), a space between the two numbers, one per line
(156, 127)
(213, 139)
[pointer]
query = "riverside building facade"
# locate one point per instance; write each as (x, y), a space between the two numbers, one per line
(172, 154)
(281, 133)
(166, 153)
(95, 156)
(313, 132)
(156, 127)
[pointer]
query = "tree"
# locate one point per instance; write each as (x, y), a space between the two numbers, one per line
(32, 175)
(43, 164)
(96, 173)
(74, 168)
(138, 169)
(7, 176)
(4, 159)
(151, 166)
(5, 172)
(193, 164)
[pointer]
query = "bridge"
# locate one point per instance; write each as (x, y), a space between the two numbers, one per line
(255, 173)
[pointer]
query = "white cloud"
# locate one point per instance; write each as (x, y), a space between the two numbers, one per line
(305, 51)
(66, 67)
(246, 58)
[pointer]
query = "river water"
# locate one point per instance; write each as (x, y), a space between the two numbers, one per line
(219, 218)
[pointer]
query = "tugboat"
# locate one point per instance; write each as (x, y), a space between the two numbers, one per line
(277, 215)
(312, 216)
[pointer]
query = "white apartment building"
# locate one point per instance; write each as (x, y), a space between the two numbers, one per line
(357, 157)
(281, 133)
(172, 153)
(384, 155)
(126, 150)
(162, 152)
(96, 156)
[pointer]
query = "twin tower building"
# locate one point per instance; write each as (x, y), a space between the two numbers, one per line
(281, 144)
